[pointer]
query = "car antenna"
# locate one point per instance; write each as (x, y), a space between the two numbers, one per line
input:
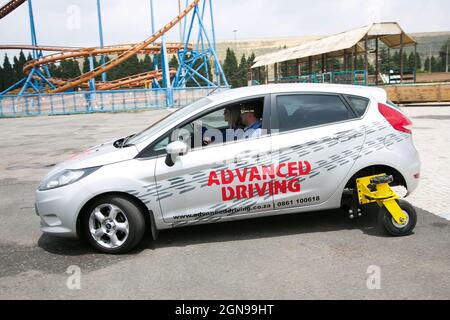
(213, 91)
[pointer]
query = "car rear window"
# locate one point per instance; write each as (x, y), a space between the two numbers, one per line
(309, 110)
(359, 104)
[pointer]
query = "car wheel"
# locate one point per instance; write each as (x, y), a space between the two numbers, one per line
(113, 224)
(392, 227)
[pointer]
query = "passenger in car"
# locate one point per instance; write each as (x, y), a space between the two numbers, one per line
(251, 119)
(233, 117)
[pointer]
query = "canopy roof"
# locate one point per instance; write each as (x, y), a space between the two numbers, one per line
(337, 45)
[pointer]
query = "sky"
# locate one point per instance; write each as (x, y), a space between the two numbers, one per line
(74, 22)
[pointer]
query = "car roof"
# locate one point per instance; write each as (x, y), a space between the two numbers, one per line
(241, 93)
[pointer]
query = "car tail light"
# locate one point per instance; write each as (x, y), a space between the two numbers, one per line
(397, 119)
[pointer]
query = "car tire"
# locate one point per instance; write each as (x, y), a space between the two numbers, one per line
(113, 224)
(389, 224)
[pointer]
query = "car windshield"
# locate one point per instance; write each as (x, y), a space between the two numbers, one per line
(166, 121)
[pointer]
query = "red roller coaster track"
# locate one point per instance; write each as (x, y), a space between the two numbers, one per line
(123, 52)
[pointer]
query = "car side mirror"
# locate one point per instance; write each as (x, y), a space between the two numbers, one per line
(174, 150)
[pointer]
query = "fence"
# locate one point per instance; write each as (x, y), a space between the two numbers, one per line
(99, 101)
(358, 77)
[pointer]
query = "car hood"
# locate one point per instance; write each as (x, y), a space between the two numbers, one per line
(100, 155)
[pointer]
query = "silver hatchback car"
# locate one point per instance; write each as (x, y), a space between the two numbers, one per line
(242, 153)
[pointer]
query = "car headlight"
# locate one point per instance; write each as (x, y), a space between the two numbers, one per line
(64, 178)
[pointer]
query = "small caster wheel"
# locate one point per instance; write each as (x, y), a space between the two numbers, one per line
(392, 227)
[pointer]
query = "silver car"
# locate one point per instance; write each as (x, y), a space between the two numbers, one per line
(243, 153)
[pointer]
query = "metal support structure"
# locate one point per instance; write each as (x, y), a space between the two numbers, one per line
(415, 63)
(401, 58)
(389, 59)
(323, 63)
(100, 32)
(354, 51)
(345, 61)
(276, 72)
(91, 67)
(366, 59)
(377, 64)
(155, 83)
(194, 64)
(29, 81)
(166, 75)
(310, 67)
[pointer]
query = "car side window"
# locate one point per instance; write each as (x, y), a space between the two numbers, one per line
(359, 104)
(308, 110)
(213, 128)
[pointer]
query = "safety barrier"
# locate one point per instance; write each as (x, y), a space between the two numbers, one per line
(358, 77)
(100, 101)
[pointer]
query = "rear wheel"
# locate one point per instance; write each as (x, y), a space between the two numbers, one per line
(392, 227)
(113, 224)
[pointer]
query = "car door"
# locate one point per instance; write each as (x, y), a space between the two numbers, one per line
(316, 139)
(215, 181)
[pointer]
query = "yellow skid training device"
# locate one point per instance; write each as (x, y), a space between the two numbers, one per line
(376, 189)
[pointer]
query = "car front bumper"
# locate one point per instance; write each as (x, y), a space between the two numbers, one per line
(58, 209)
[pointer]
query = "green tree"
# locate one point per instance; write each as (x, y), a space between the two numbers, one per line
(147, 64)
(18, 66)
(443, 58)
(8, 72)
(384, 58)
(2, 80)
(427, 64)
(251, 59)
(230, 68)
(395, 61)
(419, 61)
(16, 70)
(435, 65)
(85, 68)
(242, 72)
(173, 63)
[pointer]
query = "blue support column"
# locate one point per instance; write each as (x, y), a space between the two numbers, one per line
(152, 16)
(91, 67)
(213, 31)
(90, 95)
(100, 31)
(166, 73)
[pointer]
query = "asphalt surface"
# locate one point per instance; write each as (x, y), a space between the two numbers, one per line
(322, 255)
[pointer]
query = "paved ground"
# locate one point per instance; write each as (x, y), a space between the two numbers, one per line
(321, 255)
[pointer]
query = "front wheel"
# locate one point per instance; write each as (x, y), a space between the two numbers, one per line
(392, 227)
(113, 224)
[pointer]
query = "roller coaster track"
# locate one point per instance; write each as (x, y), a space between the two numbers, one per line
(10, 7)
(135, 49)
(123, 52)
(64, 53)
(73, 53)
(134, 80)
(140, 79)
